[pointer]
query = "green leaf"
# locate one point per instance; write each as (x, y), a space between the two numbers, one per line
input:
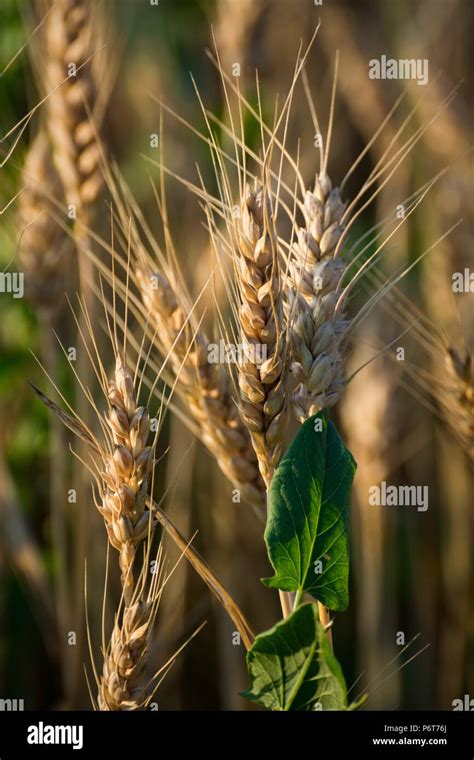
(308, 515)
(292, 667)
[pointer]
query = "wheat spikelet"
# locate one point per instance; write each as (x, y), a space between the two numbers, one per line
(317, 327)
(42, 250)
(204, 387)
(262, 385)
(127, 471)
(69, 39)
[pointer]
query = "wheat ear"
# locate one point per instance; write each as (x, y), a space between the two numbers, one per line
(318, 322)
(204, 387)
(69, 42)
(42, 251)
(129, 522)
(124, 495)
(262, 384)
(127, 471)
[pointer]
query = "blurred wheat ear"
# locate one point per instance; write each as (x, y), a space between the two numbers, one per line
(44, 253)
(447, 386)
(71, 78)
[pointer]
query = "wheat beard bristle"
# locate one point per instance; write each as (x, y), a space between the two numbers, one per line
(126, 476)
(68, 40)
(123, 685)
(42, 252)
(262, 383)
(204, 387)
(317, 330)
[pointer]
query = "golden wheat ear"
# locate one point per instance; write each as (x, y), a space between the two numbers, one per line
(262, 378)
(317, 326)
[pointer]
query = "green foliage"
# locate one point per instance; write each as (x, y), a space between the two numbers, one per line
(292, 667)
(308, 518)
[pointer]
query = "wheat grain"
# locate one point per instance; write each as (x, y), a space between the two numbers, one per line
(318, 327)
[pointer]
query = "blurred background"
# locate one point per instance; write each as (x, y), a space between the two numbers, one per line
(412, 572)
